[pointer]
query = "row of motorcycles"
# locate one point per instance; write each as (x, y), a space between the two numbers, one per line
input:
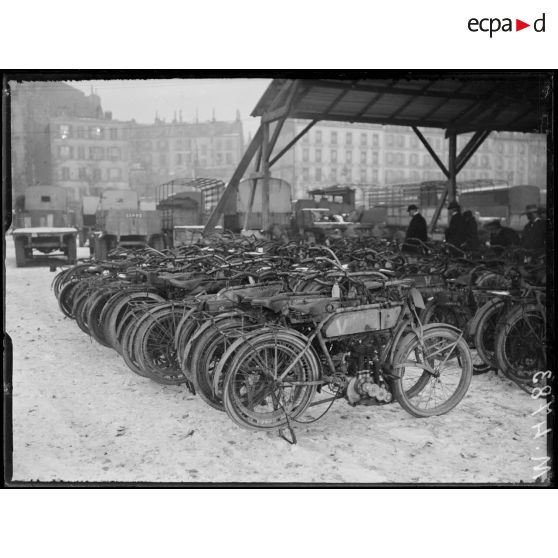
(263, 331)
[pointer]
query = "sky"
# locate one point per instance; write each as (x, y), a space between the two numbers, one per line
(142, 99)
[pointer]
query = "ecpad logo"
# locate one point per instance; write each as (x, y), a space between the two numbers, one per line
(494, 24)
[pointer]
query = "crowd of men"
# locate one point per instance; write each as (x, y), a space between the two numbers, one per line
(463, 233)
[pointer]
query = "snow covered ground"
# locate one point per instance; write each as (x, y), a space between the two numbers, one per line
(79, 414)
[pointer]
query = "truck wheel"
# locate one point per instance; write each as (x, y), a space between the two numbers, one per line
(72, 250)
(20, 252)
(157, 242)
(101, 249)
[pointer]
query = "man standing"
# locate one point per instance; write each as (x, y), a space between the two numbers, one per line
(415, 231)
(455, 233)
(533, 236)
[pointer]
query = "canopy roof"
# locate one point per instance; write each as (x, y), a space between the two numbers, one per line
(459, 102)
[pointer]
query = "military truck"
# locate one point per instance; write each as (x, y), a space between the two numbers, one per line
(44, 225)
(120, 223)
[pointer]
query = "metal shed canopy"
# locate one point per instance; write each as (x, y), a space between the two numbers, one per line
(458, 103)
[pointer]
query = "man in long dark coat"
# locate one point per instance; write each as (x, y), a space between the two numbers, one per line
(455, 233)
(416, 230)
(533, 236)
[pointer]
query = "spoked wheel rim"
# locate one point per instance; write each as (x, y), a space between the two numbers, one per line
(524, 346)
(255, 395)
(158, 354)
(434, 374)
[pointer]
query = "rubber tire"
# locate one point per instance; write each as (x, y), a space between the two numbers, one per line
(508, 321)
(21, 259)
(491, 314)
(292, 343)
(72, 250)
(408, 344)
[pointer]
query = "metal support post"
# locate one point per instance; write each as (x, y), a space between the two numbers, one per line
(266, 175)
(232, 186)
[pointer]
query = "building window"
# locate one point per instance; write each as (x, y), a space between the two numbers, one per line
(81, 152)
(389, 158)
(333, 175)
(115, 154)
(80, 132)
(500, 147)
(219, 158)
(374, 157)
(229, 158)
(374, 175)
(390, 140)
(521, 148)
(306, 138)
(96, 175)
(389, 177)
(348, 174)
(375, 140)
(305, 174)
(204, 150)
(349, 156)
(318, 155)
(305, 154)
(65, 151)
(414, 159)
(96, 153)
(333, 155)
(500, 163)
(362, 176)
(415, 175)
(318, 175)
(64, 131)
(334, 138)
(414, 142)
(363, 157)
(82, 175)
(114, 133)
(400, 140)
(115, 174)
(349, 138)
(95, 132)
(162, 144)
(400, 159)
(178, 158)
(228, 144)
(319, 136)
(65, 173)
(363, 139)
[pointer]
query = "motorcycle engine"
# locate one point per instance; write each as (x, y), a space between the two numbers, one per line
(363, 390)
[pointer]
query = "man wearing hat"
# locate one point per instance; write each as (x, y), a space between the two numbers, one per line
(533, 235)
(416, 229)
(455, 233)
(501, 236)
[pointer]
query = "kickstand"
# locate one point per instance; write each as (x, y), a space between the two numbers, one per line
(288, 434)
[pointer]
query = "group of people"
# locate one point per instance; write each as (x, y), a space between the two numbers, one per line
(462, 231)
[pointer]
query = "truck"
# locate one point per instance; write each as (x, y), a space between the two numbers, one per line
(44, 224)
(120, 223)
(332, 212)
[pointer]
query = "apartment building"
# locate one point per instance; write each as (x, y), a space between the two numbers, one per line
(89, 155)
(370, 156)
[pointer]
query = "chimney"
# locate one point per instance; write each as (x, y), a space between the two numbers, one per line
(180, 115)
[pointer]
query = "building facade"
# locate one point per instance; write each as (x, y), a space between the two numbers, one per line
(371, 156)
(164, 151)
(89, 155)
(32, 105)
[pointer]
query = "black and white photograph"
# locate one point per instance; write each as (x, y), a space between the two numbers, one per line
(281, 278)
